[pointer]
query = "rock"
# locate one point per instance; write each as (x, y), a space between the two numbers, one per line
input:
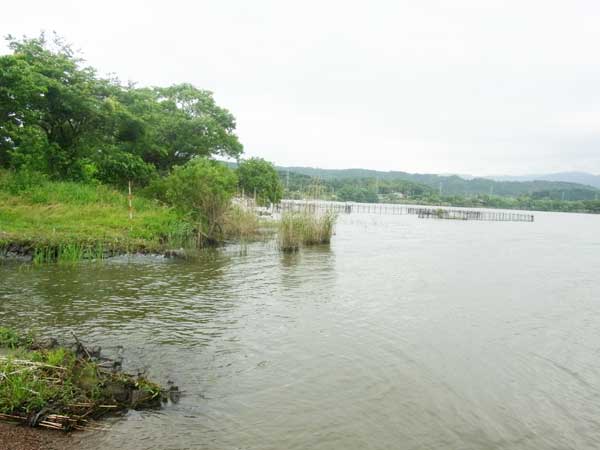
(44, 344)
(180, 253)
(118, 391)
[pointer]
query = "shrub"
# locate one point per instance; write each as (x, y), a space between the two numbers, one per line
(202, 190)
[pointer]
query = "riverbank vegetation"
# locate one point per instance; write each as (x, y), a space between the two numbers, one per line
(46, 385)
(61, 220)
(73, 145)
(67, 221)
(305, 228)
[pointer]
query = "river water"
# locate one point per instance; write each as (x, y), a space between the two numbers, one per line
(404, 333)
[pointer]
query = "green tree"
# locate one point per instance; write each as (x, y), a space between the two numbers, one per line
(169, 126)
(50, 105)
(202, 190)
(259, 176)
(57, 116)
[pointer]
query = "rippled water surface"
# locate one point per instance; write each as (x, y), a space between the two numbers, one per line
(403, 334)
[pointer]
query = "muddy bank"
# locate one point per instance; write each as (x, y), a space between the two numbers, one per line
(18, 437)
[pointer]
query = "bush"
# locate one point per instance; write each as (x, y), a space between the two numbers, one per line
(118, 168)
(202, 190)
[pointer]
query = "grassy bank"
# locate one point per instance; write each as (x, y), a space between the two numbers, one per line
(68, 221)
(42, 384)
(304, 228)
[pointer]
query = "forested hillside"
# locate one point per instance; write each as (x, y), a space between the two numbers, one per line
(454, 185)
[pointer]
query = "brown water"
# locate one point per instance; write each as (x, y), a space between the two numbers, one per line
(403, 334)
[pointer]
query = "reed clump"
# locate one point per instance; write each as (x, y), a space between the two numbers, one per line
(240, 223)
(305, 228)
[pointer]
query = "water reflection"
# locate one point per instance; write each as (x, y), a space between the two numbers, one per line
(315, 263)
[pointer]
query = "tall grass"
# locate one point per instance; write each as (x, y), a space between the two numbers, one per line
(68, 253)
(240, 223)
(67, 221)
(305, 228)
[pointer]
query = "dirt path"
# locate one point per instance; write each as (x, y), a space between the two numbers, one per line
(16, 437)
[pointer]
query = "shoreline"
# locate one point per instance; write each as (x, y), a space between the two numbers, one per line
(28, 250)
(18, 437)
(75, 386)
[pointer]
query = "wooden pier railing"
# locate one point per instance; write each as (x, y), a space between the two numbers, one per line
(422, 212)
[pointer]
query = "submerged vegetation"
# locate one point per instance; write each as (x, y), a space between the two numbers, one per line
(305, 228)
(43, 384)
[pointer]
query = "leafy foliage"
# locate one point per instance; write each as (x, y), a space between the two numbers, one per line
(202, 190)
(60, 118)
(259, 177)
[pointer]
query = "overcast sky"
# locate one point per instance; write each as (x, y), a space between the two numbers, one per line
(461, 86)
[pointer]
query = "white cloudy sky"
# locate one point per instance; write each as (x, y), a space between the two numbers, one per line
(461, 86)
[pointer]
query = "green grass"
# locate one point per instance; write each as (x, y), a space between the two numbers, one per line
(56, 381)
(11, 339)
(67, 221)
(305, 228)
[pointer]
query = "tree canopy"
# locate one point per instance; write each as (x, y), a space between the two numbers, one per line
(257, 176)
(58, 117)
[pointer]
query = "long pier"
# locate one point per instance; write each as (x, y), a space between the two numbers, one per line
(423, 212)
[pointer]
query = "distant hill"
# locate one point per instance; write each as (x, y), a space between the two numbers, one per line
(571, 177)
(455, 185)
